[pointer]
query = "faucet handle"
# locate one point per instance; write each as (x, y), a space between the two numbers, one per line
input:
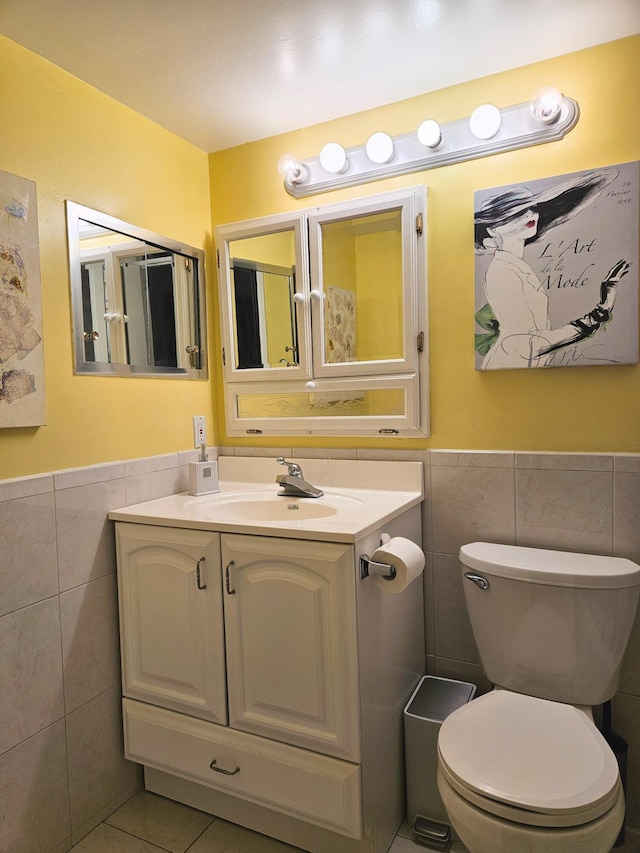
(294, 469)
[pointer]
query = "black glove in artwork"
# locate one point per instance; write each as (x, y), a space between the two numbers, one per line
(591, 322)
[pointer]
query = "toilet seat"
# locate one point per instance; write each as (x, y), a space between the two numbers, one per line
(529, 760)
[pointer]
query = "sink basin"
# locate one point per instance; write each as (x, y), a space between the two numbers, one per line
(270, 507)
(284, 509)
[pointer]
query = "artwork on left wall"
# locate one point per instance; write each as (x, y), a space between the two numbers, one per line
(556, 271)
(22, 397)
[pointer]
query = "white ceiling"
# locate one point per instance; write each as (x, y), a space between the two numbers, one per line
(223, 72)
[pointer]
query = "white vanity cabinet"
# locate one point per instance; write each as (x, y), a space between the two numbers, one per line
(289, 674)
(263, 676)
(290, 670)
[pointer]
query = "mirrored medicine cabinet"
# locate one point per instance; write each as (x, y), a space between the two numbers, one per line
(324, 319)
(138, 299)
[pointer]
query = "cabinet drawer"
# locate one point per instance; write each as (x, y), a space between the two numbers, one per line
(305, 785)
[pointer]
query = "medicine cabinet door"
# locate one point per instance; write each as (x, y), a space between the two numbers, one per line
(364, 275)
(264, 291)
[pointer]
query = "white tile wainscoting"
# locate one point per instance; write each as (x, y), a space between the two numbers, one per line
(61, 765)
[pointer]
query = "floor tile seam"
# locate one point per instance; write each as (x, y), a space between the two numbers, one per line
(138, 837)
(155, 843)
(206, 829)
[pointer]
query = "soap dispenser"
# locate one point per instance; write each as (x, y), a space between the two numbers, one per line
(203, 475)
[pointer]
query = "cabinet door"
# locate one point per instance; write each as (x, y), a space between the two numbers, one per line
(290, 625)
(264, 291)
(171, 619)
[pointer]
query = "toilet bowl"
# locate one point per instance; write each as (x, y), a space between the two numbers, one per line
(528, 775)
(524, 769)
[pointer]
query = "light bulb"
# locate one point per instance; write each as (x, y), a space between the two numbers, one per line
(485, 121)
(380, 148)
(292, 170)
(545, 105)
(429, 133)
(333, 158)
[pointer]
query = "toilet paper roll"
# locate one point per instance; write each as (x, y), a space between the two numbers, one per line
(405, 557)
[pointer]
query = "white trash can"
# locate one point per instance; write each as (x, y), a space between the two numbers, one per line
(430, 704)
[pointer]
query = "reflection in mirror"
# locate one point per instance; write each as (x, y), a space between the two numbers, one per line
(363, 287)
(263, 315)
(378, 403)
(138, 299)
(263, 284)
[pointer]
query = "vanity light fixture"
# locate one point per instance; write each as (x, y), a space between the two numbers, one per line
(546, 104)
(429, 134)
(485, 121)
(548, 117)
(333, 158)
(380, 148)
(292, 170)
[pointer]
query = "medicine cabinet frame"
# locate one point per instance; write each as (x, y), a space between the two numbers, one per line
(385, 395)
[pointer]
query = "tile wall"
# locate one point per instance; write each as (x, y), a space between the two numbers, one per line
(573, 502)
(61, 764)
(61, 761)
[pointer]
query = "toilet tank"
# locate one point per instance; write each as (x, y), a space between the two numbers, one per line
(551, 624)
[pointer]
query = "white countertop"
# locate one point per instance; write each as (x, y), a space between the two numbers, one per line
(360, 495)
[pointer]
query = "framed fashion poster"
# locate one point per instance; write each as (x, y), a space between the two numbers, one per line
(556, 271)
(22, 400)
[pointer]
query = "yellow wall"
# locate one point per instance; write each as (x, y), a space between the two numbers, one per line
(78, 144)
(580, 409)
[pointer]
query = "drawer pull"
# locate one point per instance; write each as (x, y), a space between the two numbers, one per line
(221, 770)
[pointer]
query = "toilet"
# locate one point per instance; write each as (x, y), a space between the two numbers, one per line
(523, 769)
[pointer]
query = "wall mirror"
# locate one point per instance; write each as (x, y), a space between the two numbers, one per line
(324, 319)
(137, 298)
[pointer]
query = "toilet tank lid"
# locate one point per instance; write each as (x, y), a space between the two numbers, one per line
(553, 568)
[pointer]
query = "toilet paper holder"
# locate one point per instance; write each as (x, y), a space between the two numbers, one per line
(370, 567)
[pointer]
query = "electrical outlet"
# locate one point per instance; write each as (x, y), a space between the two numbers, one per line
(199, 431)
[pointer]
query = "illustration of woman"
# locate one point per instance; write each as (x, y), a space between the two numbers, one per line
(518, 307)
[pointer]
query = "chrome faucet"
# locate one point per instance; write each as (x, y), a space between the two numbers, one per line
(293, 484)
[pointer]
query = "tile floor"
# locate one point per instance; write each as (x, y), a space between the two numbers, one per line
(148, 823)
